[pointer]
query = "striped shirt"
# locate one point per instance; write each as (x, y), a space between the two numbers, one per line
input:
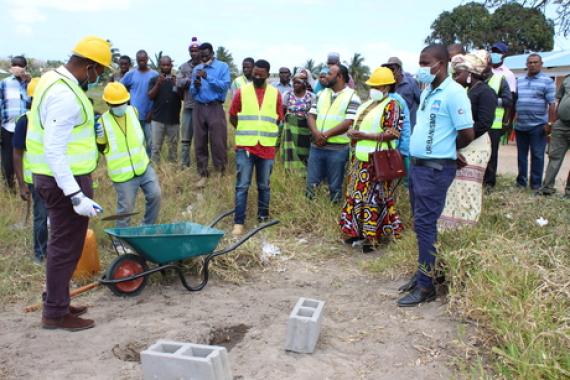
(535, 93)
(13, 100)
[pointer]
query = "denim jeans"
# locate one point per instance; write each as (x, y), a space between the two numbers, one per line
(127, 195)
(245, 163)
(186, 137)
(40, 230)
(160, 131)
(327, 164)
(146, 127)
(428, 190)
(535, 140)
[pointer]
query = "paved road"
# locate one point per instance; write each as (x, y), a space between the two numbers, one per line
(508, 164)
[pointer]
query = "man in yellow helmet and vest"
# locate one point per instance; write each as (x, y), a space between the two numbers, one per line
(62, 153)
(329, 119)
(128, 165)
(255, 112)
(24, 178)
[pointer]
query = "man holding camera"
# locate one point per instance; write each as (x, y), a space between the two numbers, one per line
(165, 111)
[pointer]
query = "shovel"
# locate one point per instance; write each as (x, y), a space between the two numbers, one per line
(119, 216)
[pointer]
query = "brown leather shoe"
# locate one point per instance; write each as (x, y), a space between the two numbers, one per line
(68, 322)
(76, 311)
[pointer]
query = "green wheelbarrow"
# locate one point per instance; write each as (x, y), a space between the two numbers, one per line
(166, 246)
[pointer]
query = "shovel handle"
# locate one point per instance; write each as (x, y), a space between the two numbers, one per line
(73, 293)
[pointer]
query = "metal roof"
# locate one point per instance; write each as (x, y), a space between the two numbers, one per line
(551, 59)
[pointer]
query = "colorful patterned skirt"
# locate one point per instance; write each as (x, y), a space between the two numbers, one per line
(369, 211)
(465, 195)
(295, 142)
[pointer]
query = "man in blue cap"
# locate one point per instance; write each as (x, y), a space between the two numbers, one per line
(499, 52)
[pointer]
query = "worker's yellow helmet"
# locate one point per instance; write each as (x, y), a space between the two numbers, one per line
(116, 93)
(382, 76)
(32, 86)
(96, 49)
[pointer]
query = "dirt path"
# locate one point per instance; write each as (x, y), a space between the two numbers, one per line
(364, 335)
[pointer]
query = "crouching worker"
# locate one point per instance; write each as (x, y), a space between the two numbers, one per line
(255, 112)
(121, 139)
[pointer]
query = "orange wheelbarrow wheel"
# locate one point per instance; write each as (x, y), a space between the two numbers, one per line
(125, 266)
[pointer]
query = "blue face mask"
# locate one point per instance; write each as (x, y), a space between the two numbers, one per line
(91, 86)
(496, 58)
(424, 75)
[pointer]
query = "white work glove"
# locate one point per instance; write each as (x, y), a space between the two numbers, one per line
(85, 206)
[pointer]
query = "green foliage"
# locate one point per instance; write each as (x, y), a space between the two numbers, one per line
(224, 55)
(473, 26)
(359, 71)
(155, 63)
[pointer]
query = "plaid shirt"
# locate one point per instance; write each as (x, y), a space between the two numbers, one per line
(13, 101)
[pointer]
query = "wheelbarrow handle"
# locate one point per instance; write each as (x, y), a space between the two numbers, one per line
(221, 216)
(244, 238)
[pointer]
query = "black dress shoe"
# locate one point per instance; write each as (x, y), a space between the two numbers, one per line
(351, 240)
(417, 296)
(410, 285)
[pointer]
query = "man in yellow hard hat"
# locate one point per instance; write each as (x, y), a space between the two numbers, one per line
(24, 178)
(128, 165)
(62, 153)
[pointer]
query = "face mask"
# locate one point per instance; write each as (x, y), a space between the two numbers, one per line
(86, 86)
(258, 82)
(119, 110)
(424, 75)
(376, 94)
(496, 58)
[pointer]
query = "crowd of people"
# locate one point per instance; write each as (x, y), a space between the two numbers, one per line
(447, 135)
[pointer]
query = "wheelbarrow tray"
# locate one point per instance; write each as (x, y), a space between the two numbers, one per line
(167, 243)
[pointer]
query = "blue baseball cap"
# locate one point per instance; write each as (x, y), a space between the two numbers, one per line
(500, 46)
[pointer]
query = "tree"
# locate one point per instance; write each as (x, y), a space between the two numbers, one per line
(224, 55)
(312, 67)
(562, 10)
(115, 53)
(358, 70)
(155, 64)
(523, 29)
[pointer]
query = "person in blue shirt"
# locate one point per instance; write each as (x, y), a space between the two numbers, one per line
(137, 81)
(210, 84)
(443, 125)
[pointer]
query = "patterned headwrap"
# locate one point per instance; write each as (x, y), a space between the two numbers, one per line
(475, 62)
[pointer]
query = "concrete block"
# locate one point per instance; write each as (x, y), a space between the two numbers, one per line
(169, 360)
(304, 326)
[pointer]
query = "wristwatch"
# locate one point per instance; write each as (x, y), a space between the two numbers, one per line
(76, 198)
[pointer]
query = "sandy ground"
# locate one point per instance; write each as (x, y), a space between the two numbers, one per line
(364, 335)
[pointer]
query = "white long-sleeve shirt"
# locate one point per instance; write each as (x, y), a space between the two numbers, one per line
(60, 112)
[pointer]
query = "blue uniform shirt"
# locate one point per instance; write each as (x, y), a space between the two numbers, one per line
(216, 84)
(441, 113)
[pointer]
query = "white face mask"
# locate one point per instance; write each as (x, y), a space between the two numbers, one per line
(119, 110)
(376, 94)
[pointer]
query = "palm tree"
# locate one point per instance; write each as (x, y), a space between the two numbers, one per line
(224, 55)
(313, 67)
(116, 53)
(358, 70)
(155, 64)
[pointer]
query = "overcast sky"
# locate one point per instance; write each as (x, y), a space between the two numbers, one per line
(286, 33)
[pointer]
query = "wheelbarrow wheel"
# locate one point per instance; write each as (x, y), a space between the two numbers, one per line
(124, 266)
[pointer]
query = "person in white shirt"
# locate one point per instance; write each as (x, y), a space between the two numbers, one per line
(499, 52)
(62, 153)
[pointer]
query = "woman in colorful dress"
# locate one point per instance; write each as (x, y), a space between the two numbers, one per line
(296, 136)
(369, 212)
(465, 195)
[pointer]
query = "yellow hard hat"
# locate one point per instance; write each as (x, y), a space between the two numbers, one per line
(32, 86)
(116, 93)
(382, 76)
(94, 48)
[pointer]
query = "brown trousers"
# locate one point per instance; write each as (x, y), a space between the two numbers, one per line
(65, 242)
(209, 124)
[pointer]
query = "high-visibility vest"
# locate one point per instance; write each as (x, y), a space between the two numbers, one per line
(495, 83)
(125, 155)
(81, 151)
(257, 124)
(371, 123)
(332, 113)
(241, 81)
(25, 162)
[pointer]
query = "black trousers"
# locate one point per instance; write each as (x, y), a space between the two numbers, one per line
(7, 160)
(490, 178)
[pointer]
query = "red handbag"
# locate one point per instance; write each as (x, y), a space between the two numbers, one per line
(387, 165)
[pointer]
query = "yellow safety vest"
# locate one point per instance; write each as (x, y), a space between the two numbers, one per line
(241, 81)
(25, 163)
(332, 113)
(81, 151)
(125, 155)
(257, 124)
(371, 123)
(495, 84)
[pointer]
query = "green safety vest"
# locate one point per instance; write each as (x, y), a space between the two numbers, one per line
(495, 83)
(81, 151)
(332, 113)
(125, 155)
(241, 81)
(257, 124)
(25, 163)
(371, 123)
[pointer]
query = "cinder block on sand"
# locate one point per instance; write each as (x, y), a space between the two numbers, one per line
(169, 360)
(304, 326)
